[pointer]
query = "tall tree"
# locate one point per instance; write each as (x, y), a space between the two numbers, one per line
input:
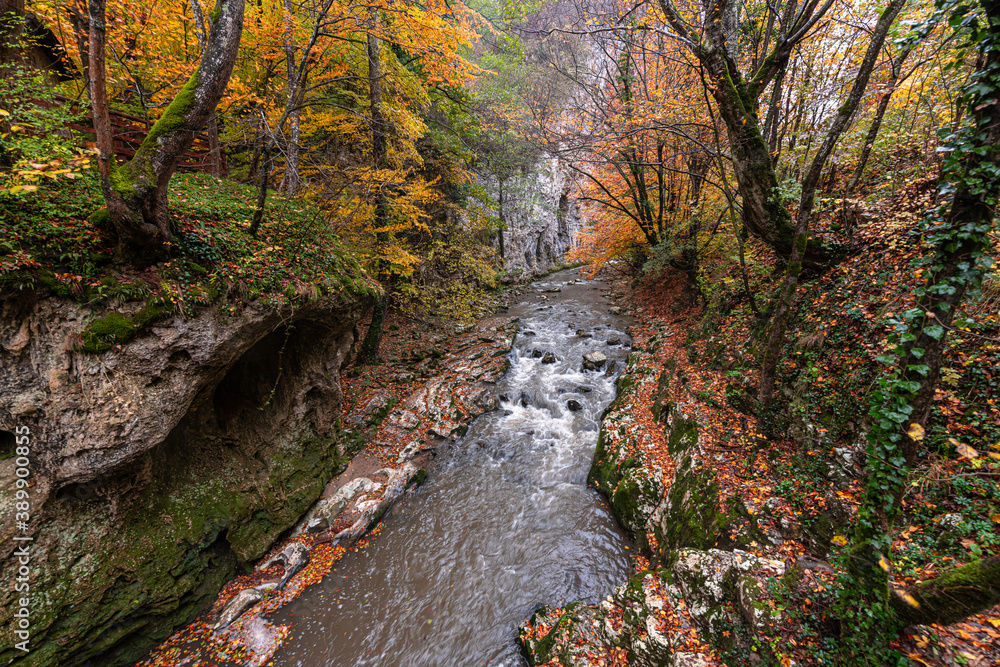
(136, 192)
(737, 93)
(786, 294)
(369, 348)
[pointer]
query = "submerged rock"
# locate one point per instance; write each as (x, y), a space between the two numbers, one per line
(549, 358)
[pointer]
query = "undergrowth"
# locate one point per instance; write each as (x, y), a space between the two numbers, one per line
(51, 239)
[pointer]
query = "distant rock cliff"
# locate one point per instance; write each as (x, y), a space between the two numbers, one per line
(540, 213)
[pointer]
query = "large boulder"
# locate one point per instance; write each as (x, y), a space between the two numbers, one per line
(161, 465)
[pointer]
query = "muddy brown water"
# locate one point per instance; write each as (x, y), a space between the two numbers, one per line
(504, 523)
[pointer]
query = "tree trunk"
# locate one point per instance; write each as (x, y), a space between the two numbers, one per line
(11, 25)
(291, 181)
(265, 174)
(779, 323)
(214, 150)
(883, 104)
(956, 594)
(500, 214)
(369, 348)
(136, 193)
(764, 215)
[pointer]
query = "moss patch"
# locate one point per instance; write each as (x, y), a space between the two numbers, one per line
(116, 328)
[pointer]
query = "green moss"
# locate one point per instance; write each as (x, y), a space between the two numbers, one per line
(174, 118)
(417, 479)
(47, 279)
(121, 182)
(692, 519)
(102, 334)
(101, 219)
(116, 329)
(683, 433)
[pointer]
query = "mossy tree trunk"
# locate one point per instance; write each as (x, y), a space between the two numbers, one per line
(737, 96)
(956, 594)
(136, 192)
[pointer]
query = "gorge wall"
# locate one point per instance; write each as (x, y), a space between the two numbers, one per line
(541, 216)
(159, 467)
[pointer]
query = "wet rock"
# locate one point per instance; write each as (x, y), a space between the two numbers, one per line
(292, 558)
(328, 509)
(582, 334)
(611, 368)
(536, 354)
(554, 289)
(594, 361)
(549, 358)
(614, 340)
(411, 450)
(614, 310)
(525, 399)
(574, 406)
(528, 333)
(487, 402)
(243, 600)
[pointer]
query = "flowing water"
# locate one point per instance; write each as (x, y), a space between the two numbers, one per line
(504, 523)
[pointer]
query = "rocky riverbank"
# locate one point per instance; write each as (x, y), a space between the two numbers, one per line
(732, 569)
(433, 381)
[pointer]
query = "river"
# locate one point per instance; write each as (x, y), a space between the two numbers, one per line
(504, 523)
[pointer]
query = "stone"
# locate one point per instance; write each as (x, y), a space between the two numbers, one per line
(614, 310)
(790, 530)
(614, 340)
(235, 608)
(594, 361)
(582, 334)
(549, 358)
(411, 450)
(178, 418)
(574, 406)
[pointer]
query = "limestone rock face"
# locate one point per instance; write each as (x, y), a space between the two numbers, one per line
(541, 215)
(160, 465)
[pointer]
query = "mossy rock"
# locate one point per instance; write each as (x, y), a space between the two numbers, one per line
(682, 435)
(692, 518)
(115, 328)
